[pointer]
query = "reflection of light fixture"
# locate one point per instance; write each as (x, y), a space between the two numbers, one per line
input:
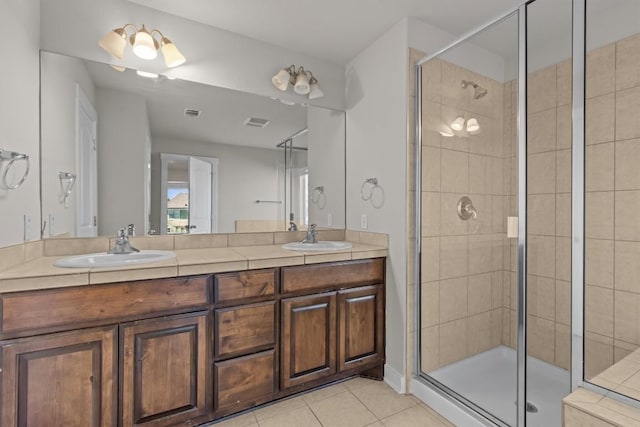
(472, 125)
(147, 74)
(303, 81)
(458, 123)
(145, 46)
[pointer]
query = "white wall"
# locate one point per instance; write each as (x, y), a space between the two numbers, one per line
(19, 118)
(214, 56)
(326, 156)
(123, 126)
(245, 175)
(59, 75)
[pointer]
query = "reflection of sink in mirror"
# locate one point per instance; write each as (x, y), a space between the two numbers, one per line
(104, 259)
(319, 246)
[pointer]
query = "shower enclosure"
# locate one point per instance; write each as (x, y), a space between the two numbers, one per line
(527, 136)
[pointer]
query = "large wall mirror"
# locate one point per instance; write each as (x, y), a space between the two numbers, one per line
(172, 156)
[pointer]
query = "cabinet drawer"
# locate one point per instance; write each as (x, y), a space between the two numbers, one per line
(245, 328)
(244, 381)
(67, 306)
(244, 285)
(332, 275)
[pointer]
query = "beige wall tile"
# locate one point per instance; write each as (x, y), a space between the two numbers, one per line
(165, 243)
(480, 141)
(599, 310)
(496, 176)
(506, 327)
(481, 225)
(601, 71)
(626, 171)
(12, 256)
(563, 346)
(453, 257)
(496, 327)
(430, 351)
(563, 258)
(457, 143)
(430, 169)
(542, 214)
(600, 119)
(563, 130)
(432, 80)
(541, 89)
(478, 174)
(479, 336)
(452, 93)
(430, 214)
(451, 224)
(623, 349)
(453, 341)
(250, 239)
(496, 289)
(480, 291)
(541, 339)
(541, 131)
(627, 226)
(431, 124)
(541, 297)
(374, 239)
(626, 113)
(541, 256)
(453, 299)
(497, 251)
(506, 289)
(430, 304)
(479, 254)
(455, 171)
(496, 146)
(541, 173)
(563, 82)
(33, 250)
(599, 262)
(200, 241)
(563, 215)
(599, 215)
(576, 418)
(628, 62)
(499, 214)
(86, 245)
(430, 259)
(598, 354)
(627, 317)
(563, 302)
(627, 266)
(599, 167)
(563, 171)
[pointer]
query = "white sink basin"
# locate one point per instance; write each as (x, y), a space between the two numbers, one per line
(319, 246)
(103, 259)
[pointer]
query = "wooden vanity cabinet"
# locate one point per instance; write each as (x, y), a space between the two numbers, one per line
(63, 379)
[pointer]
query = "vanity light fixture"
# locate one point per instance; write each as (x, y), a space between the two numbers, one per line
(303, 81)
(144, 45)
(470, 125)
(458, 123)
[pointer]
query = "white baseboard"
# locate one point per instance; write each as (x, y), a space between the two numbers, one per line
(443, 406)
(395, 379)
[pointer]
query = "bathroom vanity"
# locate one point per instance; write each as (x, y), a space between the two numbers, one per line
(185, 350)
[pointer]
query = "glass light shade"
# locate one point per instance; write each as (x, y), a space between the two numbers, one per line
(472, 125)
(114, 42)
(315, 92)
(147, 74)
(446, 131)
(143, 45)
(458, 123)
(281, 80)
(302, 84)
(172, 56)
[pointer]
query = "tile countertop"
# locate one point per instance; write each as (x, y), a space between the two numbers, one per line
(40, 273)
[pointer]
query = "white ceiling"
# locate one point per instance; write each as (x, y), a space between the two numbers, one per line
(333, 30)
(223, 111)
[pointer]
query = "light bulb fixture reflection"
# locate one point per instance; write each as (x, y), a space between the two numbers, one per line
(458, 123)
(472, 125)
(144, 44)
(147, 74)
(303, 81)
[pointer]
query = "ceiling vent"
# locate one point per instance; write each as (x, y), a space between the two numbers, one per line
(190, 112)
(256, 122)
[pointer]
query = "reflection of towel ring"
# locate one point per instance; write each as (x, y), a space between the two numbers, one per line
(367, 186)
(318, 197)
(12, 157)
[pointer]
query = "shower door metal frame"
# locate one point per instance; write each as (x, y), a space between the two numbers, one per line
(470, 407)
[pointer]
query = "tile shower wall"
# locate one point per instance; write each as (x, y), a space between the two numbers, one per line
(463, 262)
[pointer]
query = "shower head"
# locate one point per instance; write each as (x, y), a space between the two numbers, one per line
(478, 91)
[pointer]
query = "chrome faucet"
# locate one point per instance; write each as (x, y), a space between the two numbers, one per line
(292, 226)
(312, 234)
(122, 243)
(131, 230)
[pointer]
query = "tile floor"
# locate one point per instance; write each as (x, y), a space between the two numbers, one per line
(354, 403)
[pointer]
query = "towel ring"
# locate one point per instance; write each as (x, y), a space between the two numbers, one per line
(12, 157)
(367, 186)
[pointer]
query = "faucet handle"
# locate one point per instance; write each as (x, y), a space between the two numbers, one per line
(312, 228)
(131, 230)
(122, 233)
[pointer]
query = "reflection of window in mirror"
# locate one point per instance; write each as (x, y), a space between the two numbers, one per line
(178, 208)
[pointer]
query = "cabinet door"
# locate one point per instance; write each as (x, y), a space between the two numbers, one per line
(308, 338)
(164, 370)
(243, 329)
(361, 330)
(65, 379)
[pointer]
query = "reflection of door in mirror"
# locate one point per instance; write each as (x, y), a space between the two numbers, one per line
(191, 193)
(86, 140)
